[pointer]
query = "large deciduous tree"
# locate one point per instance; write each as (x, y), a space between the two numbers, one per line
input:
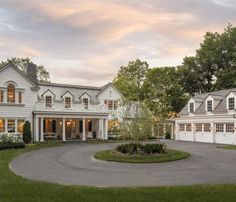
(22, 63)
(130, 79)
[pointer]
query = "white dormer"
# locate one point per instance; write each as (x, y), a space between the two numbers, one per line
(85, 99)
(231, 101)
(48, 98)
(211, 102)
(191, 106)
(67, 99)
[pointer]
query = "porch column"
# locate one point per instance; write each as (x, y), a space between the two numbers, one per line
(63, 129)
(84, 129)
(106, 129)
(36, 129)
(213, 132)
(172, 131)
(6, 130)
(16, 124)
(42, 133)
(193, 132)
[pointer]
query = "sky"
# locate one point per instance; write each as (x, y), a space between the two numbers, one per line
(85, 42)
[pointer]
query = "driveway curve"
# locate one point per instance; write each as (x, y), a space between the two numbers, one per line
(73, 164)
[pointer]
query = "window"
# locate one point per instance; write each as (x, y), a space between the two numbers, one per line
(181, 127)
(229, 128)
(49, 101)
(191, 107)
(67, 102)
(219, 127)
(188, 127)
(11, 93)
(85, 102)
(198, 127)
(207, 127)
(110, 105)
(231, 103)
(20, 125)
(2, 125)
(89, 125)
(1, 96)
(20, 97)
(11, 126)
(209, 105)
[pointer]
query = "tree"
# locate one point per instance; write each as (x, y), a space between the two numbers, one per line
(130, 79)
(214, 65)
(163, 92)
(27, 132)
(22, 63)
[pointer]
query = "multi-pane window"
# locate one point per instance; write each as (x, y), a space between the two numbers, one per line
(2, 125)
(219, 127)
(231, 103)
(188, 127)
(11, 93)
(209, 105)
(67, 102)
(181, 127)
(191, 107)
(20, 125)
(207, 127)
(111, 104)
(198, 127)
(1, 96)
(229, 127)
(85, 102)
(11, 125)
(48, 101)
(20, 97)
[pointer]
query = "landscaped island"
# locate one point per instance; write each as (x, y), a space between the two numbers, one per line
(141, 153)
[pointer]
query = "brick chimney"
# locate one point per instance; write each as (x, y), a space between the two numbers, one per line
(32, 73)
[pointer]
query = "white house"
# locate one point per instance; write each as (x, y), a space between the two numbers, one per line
(55, 111)
(208, 117)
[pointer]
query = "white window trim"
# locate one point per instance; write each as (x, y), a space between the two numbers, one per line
(227, 103)
(206, 106)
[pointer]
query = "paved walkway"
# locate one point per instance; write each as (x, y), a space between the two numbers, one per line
(73, 164)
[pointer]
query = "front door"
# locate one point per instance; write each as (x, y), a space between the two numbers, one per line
(68, 129)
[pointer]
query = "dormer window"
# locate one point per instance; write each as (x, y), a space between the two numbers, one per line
(231, 104)
(85, 102)
(209, 106)
(48, 101)
(67, 102)
(191, 107)
(11, 93)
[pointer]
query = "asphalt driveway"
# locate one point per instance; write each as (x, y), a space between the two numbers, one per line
(73, 164)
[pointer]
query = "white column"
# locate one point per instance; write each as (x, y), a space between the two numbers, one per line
(16, 123)
(6, 130)
(172, 131)
(41, 133)
(213, 132)
(176, 131)
(106, 129)
(102, 129)
(63, 129)
(193, 132)
(84, 129)
(36, 129)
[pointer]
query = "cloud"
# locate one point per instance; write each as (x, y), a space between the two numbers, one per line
(85, 42)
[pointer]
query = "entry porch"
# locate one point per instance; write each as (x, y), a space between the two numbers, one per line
(70, 127)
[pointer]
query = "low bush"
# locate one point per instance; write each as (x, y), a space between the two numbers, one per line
(132, 148)
(11, 140)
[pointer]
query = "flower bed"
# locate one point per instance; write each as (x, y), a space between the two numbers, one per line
(11, 140)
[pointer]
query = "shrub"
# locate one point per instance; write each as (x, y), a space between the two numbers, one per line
(11, 140)
(147, 148)
(168, 135)
(27, 132)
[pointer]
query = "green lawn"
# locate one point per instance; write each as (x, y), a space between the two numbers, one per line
(111, 155)
(16, 189)
(228, 147)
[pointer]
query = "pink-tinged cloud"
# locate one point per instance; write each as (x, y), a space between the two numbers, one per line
(85, 42)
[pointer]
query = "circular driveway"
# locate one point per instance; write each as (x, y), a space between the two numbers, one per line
(73, 164)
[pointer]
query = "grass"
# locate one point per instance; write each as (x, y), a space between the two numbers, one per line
(111, 155)
(17, 189)
(233, 147)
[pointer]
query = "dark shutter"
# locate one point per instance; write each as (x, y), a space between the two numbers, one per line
(44, 126)
(54, 126)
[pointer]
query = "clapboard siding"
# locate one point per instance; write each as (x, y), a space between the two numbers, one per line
(29, 96)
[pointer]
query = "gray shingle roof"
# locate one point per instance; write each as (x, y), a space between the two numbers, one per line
(219, 96)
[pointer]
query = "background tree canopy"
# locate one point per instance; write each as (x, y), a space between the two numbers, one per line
(167, 89)
(22, 63)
